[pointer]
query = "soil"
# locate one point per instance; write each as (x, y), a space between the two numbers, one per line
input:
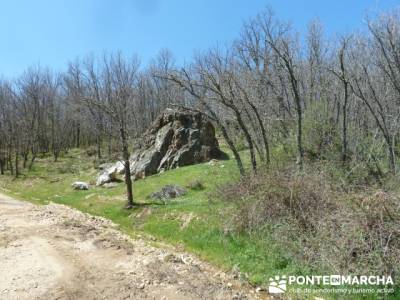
(55, 252)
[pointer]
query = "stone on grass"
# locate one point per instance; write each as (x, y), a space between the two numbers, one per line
(80, 186)
(103, 178)
(213, 162)
(109, 174)
(169, 192)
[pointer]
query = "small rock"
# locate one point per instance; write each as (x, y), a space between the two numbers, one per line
(109, 174)
(213, 162)
(172, 258)
(168, 192)
(103, 178)
(79, 185)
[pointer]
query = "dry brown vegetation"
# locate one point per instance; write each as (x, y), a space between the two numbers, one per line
(318, 223)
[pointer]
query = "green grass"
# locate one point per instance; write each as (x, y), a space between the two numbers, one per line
(256, 256)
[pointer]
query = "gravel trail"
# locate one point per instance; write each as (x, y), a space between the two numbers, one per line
(55, 252)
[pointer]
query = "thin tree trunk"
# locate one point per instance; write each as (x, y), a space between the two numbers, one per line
(300, 152)
(25, 160)
(261, 154)
(31, 163)
(2, 167)
(128, 179)
(10, 163)
(264, 136)
(32, 159)
(392, 156)
(98, 143)
(248, 139)
(16, 164)
(78, 136)
(263, 131)
(231, 145)
(344, 129)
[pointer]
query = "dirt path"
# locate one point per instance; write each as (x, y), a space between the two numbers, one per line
(54, 252)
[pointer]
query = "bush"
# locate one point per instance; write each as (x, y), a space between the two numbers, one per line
(273, 196)
(91, 151)
(317, 223)
(196, 185)
(322, 139)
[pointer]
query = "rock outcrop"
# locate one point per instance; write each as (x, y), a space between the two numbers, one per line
(177, 138)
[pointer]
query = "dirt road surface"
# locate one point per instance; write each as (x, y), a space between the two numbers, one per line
(55, 252)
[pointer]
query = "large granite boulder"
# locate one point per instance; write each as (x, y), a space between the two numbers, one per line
(177, 138)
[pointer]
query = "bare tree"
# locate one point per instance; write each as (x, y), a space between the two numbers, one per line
(111, 89)
(342, 74)
(188, 82)
(285, 46)
(371, 86)
(217, 76)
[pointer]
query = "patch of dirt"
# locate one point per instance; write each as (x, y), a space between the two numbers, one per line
(54, 252)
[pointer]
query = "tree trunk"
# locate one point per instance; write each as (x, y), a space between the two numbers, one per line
(10, 163)
(264, 135)
(78, 135)
(300, 152)
(392, 156)
(98, 144)
(31, 163)
(128, 179)
(248, 139)
(16, 164)
(1, 166)
(33, 158)
(25, 160)
(233, 149)
(344, 129)
(263, 132)
(56, 154)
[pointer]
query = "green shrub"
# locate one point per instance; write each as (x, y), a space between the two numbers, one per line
(196, 185)
(321, 136)
(91, 151)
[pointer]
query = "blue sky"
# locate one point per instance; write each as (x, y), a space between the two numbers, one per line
(53, 32)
